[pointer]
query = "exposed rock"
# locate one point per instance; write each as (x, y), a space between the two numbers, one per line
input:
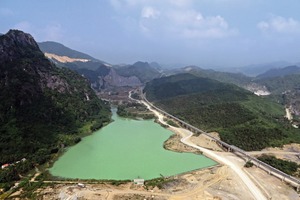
(113, 79)
(11, 41)
(40, 102)
(54, 82)
(259, 90)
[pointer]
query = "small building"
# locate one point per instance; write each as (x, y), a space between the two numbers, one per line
(139, 181)
(81, 185)
(4, 166)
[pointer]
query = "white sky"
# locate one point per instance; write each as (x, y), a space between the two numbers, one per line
(207, 33)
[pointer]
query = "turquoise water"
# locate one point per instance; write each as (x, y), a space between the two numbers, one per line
(126, 149)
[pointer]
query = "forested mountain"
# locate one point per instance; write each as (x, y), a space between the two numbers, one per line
(285, 89)
(43, 107)
(101, 74)
(279, 72)
(226, 77)
(279, 84)
(242, 118)
(256, 69)
(143, 70)
(61, 50)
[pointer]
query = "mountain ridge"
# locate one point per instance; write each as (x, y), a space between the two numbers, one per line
(279, 72)
(61, 50)
(43, 107)
(239, 116)
(131, 75)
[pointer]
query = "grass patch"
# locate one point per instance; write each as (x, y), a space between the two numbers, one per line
(157, 182)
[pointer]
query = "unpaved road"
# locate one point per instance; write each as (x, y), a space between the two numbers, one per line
(288, 114)
(256, 192)
(186, 134)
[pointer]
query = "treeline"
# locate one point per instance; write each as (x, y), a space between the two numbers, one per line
(245, 126)
(287, 167)
(134, 111)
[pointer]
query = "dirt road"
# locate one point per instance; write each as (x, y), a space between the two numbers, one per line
(256, 192)
(186, 134)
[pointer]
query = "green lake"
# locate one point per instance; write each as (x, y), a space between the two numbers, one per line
(126, 149)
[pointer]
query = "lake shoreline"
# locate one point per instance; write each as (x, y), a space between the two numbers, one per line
(136, 122)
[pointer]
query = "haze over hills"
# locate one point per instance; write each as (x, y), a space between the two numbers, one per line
(256, 69)
(143, 70)
(101, 74)
(279, 72)
(43, 107)
(272, 83)
(226, 77)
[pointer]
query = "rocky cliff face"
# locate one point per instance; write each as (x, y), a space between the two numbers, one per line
(112, 79)
(102, 76)
(292, 101)
(39, 101)
(13, 39)
(106, 78)
(259, 90)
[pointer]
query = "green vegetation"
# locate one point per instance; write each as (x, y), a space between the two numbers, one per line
(279, 72)
(134, 111)
(43, 108)
(242, 119)
(157, 182)
(119, 182)
(142, 70)
(29, 189)
(225, 77)
(171, 122)
(135, 96)
(283, 165)
(278, 85)
(248, 164)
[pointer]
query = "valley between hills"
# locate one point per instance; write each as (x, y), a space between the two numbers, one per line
(53, 96)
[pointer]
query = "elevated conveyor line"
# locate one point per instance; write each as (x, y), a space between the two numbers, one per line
(264, 166)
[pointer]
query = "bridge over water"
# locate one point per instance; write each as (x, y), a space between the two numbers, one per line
(236, 150)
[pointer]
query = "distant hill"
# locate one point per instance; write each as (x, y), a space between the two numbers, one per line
(254, 70)
(226, 77)
(156, 66)
(285, 89)
(238, 79)
(279, 72)
(101, 75)
(242, 118)
(64, 56)
(143, 70)
(43, 107)
(180, 84)
(61, 50)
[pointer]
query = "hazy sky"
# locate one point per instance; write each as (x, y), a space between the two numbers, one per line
(202, 32)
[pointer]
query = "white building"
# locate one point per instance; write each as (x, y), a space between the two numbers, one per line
(139, 181)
